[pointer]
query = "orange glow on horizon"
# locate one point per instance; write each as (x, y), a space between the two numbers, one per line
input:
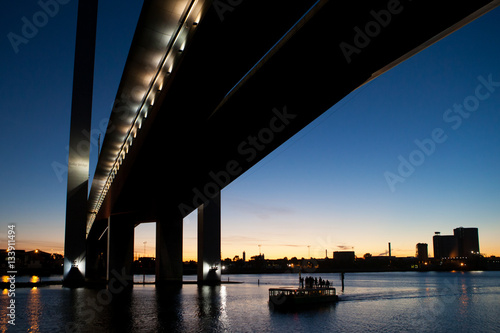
(230, 249)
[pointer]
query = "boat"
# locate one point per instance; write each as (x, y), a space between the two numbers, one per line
(289, 297)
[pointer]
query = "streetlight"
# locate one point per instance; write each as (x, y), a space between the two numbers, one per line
(143, 263)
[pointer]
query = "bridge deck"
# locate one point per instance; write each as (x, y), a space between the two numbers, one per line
(186, 150)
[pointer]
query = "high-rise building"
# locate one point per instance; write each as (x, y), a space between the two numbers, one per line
(422, 253)
(461, 244)
(468, 241)
(445, 246)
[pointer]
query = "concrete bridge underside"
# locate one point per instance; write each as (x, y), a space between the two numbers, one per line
(252, 75)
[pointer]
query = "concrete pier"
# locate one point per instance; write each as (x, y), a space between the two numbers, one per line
(97, 255)
(209, 238)
(169, 249)
(120, 247)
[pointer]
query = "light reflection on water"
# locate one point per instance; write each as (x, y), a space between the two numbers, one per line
(34, 312)
(389, 302)
(33, 278)
(4, 303)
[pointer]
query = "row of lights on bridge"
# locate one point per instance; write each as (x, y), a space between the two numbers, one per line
(165, 69)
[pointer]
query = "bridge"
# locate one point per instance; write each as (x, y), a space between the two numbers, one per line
(208, 90)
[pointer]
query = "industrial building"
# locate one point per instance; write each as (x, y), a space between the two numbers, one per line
(422, 252)
(344, 256)
(468, 241)
(462, 244)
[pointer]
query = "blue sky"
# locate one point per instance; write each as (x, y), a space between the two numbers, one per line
(325, 188)
(36, 105)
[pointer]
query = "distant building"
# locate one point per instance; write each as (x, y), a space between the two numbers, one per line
(445, 246)
(37, 259)
(259, 257)
(468, 241)
(462, 244)
(344, 256)
(244, 256)
(146, 264)
(422, 252)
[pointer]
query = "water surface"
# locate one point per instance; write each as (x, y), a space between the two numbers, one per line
(371, 302)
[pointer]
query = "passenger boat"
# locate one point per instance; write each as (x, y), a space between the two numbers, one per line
(289, 297)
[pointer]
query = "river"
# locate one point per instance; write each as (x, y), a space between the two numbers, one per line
(371, 302)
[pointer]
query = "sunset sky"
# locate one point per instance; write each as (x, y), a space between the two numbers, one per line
(333, 186)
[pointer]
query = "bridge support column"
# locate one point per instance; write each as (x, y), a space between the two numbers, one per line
(79, 146)
(169, 250)
(96, 260)
(209, 261)
(120, 249)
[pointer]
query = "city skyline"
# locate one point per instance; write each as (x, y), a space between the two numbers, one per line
(412, 152)
(327, 254)
(299, 251)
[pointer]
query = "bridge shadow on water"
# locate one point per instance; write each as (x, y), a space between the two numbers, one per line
(146, 308)
(151, 308)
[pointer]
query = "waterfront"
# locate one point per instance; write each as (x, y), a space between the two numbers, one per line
(372, 302)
